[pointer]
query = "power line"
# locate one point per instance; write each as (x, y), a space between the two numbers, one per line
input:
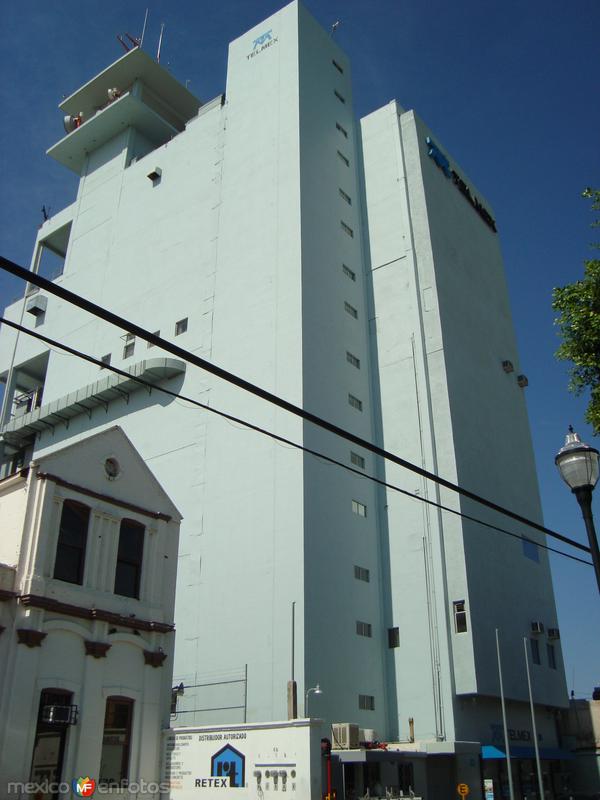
(282, 439)
(236, 380)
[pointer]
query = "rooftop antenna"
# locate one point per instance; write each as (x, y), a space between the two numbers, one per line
(160, 38)
(144, 29)
(335, 26)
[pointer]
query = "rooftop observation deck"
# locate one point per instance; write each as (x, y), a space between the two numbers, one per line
(133, 92)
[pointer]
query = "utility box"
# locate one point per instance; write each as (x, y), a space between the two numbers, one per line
(244, 761)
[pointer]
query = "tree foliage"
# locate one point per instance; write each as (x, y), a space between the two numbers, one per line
(578, 306)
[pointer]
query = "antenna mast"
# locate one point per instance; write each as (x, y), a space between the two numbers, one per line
(160, 38)
(144, 29)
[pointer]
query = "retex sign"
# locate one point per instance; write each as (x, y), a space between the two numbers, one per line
(227, 770)
(434, 152)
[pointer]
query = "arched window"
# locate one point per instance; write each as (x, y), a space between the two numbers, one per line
(129, 558)
(72, 539)
(116, 742)
(54, 715)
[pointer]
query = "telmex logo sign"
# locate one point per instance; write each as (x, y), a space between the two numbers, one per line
(261, 43)
(434, 152)
(227, 770)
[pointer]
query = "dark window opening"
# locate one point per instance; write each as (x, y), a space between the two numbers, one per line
(72, 540)
(181, 326)
(535, 651)
(50, 740)
(393, 637)
(129, 558)
(116, 742)
(460, 617)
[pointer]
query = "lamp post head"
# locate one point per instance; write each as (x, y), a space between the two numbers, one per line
(577, 462)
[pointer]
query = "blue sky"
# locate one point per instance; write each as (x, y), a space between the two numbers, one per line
(510, 90)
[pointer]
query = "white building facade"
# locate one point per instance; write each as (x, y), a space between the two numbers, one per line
(346, 269)
(89, 557)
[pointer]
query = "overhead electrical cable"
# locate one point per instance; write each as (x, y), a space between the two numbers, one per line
(283, 440)
(236, 380)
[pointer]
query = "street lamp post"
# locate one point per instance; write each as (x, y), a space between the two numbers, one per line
(317, 690)
(578, 466)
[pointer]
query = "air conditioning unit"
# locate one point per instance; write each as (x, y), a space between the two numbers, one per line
(344, 736)
(368, 735)
(522, 381)
(537, 627)
(59, 715)
(507, 366)
(553, 633)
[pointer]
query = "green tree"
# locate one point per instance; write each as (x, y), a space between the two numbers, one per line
(578, 306)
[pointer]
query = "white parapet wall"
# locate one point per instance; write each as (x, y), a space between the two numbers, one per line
(246, 760)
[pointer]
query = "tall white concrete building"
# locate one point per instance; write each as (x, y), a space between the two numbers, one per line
(354, 270)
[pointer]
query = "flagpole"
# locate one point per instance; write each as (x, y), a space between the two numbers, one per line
(535, 739)
(511, 790)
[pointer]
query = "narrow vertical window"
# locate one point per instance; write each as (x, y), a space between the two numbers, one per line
(364, 629)
(181, 326)
(349, 273)
(393, 637)
(355, 402)
(72, 540)
(129, 558)
(116, 742)
(460, 617)
(362, 574)
(551, 656)
(366, 702)
(342, 130)
(535, 651)
(359, 508)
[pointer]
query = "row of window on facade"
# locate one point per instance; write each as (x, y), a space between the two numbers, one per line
(55, 716)
(181, 326)
(72, 544)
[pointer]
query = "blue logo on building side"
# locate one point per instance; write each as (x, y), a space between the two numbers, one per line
(229, 763)
(264, 37)
(439, 158)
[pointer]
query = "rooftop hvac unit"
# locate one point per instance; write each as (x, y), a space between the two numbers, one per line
(537, 627)
(553, 633)
(344, 736)
(368, 735)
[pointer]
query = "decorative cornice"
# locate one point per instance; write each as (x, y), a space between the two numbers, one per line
(154, 658)
(46, 476)
(96, 649)
(30, 638)
(133, 622)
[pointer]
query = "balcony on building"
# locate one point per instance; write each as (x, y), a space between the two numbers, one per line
(133, 92)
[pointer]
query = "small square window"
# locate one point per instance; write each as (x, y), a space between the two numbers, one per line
(551, 656)
(105, 360)
(128, 349)
(347, 229)
(460, 617)
(357, 460)
(535, 651)
(339, 68)
(181, 326)
(359, 508)
(340, 97)
(366, 702)
(343, 158)
(355, 402)
(364, 629)
(345, 197)
(156, 333)
(351, 310)
(362, 574)
(342, 130)
(352, 359)
(348, 272)
(393, 637)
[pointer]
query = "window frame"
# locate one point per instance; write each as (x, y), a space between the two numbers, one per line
(81, 548)
(181, 322)
(459, 608)
(536, 656)
(362, 573)
(366, 702)
(364, 629)
(360, 509)
(124, 562)
(126, 751)
(355, 402)
(357, 460)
